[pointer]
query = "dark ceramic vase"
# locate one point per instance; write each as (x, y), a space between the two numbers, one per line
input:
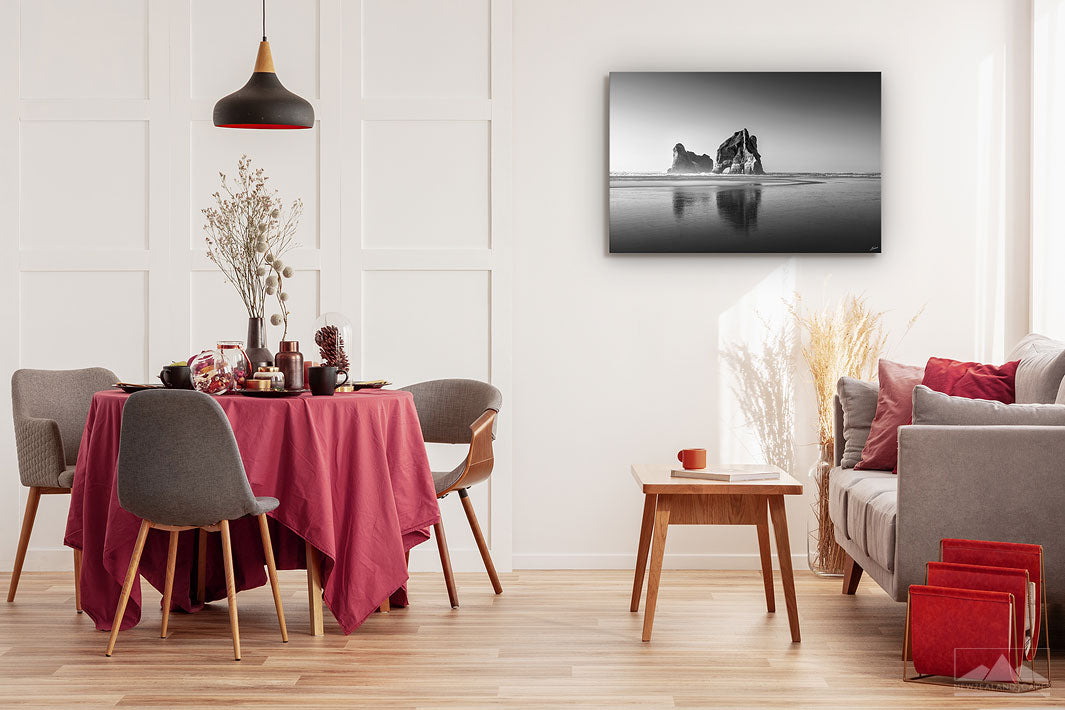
(255, 343)
(290, 360)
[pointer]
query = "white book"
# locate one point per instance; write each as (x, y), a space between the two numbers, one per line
(731, 472)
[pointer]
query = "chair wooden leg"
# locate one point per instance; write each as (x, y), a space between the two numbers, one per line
(852, 574)
(445, 562)
(482, 546)
(77, 580)
(314, 590)
(168, 584)
(24, 539)
(271, 569)
(127, 586)
(231, 587)
(386, 606)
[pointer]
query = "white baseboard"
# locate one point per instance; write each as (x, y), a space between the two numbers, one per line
(424, 559)
(628, 561)
(47, 559)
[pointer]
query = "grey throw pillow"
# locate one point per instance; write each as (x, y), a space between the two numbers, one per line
(931, 407)
(1041, 372)
(858, 399)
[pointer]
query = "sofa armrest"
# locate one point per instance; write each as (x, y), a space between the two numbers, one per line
(983, 483)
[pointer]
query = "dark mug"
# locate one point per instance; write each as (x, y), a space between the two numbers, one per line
(323, 379)
(176, 377)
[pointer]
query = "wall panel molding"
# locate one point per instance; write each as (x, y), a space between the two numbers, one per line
(149, 157)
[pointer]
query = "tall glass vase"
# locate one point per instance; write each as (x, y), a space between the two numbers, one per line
(256, 348)
(823, 554)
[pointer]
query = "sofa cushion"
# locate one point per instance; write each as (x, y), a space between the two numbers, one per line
(1041, 373)
(862, 505)
(971, 379)
(857, 398)
(871, 508)
(931, 407)
(893, 409)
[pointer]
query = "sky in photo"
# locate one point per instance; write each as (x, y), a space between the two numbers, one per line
(804, 121)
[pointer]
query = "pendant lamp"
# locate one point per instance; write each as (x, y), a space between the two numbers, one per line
(263, 102)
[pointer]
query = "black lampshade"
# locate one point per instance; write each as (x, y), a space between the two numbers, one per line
(263, 102)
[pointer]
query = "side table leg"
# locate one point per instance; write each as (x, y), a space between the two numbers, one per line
(767, 559)
(658, 550)
(314, 590)
(641, 552)
(780, 527)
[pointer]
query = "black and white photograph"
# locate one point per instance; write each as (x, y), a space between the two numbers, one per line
(740, 162)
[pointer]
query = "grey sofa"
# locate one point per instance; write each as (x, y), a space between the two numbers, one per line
(1004, 482)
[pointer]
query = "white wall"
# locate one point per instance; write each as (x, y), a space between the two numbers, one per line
(408, 179)
(617, 356)
(107, 155)
(1048, 152)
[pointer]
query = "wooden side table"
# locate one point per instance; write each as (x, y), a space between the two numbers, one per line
(689, 501)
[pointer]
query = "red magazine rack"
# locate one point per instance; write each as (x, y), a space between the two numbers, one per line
(977, 621)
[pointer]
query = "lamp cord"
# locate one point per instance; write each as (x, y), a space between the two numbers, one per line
(264, 20)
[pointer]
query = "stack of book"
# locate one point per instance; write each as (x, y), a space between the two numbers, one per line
(731, 473)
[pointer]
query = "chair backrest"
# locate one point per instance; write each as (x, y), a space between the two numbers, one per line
(447, 408)
(63, 396)
(178, 462)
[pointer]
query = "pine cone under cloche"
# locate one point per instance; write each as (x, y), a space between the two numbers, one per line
(331, 346)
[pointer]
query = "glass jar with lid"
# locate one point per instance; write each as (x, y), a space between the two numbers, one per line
(233, 351)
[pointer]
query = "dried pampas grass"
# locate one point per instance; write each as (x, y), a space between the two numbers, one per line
(842, 341)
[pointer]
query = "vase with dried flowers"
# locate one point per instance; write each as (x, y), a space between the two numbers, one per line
(842, 340)
(248, 230)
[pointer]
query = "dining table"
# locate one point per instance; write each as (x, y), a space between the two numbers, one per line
(352, 476)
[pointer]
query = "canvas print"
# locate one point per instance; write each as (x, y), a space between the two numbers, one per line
(745, 162)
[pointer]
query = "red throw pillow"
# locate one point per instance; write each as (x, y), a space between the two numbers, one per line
(894, 408)
(971, 379)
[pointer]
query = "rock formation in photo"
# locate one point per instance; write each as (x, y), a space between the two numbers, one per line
(685, 161)
(739, 155)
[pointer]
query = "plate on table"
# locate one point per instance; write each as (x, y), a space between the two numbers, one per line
(271, 394)
(369, 384)
(129, 388)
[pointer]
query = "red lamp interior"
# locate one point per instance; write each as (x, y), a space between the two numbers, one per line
(259, 125)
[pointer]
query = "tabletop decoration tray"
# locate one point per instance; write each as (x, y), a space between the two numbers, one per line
(272, 394)
(369, 384)
(130, 388)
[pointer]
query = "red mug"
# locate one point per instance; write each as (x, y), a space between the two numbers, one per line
(692, 458)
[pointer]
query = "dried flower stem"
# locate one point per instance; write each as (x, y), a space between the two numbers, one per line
(246, 230)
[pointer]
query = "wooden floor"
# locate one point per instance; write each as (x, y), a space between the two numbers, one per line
(552, 639)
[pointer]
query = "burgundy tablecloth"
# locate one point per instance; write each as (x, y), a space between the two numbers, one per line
(352, 476)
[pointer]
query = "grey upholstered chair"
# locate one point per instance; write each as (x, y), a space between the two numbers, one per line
(179, 469)
(460, 412)
(49, 408)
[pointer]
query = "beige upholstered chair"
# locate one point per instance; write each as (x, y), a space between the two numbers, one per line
(460, 412)
(49, 408)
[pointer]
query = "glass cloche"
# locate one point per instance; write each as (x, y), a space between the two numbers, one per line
(332, 335)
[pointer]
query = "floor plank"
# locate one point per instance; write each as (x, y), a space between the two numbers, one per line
(553, 639)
